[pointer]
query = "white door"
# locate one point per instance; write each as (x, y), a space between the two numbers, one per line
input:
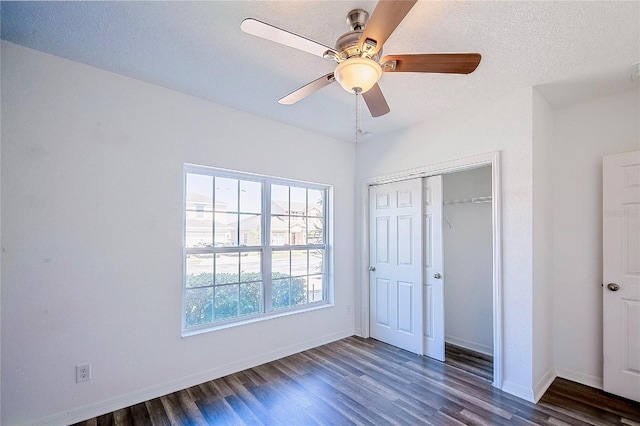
(433, 269)
(395, 280)
(621, 274)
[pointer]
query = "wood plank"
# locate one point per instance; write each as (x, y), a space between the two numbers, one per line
(140, 415)
(156, 413)
(122, 417)
(219, 412)
(471, 361)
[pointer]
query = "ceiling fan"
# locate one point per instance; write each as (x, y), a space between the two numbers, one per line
(359, 51)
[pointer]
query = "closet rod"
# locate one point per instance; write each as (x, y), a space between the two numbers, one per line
(475, 200)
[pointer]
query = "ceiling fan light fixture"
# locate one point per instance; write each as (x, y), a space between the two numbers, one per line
(358, 74)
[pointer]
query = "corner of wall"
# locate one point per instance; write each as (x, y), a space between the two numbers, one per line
(580, 377)
(543, 384)
(542, 291)
(518, 390)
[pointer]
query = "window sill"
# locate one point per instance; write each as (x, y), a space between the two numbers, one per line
(264, 317)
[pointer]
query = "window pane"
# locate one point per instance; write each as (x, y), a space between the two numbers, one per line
(226, 229)
(199, 192)
(250, 230)
(199, 270)
(315, 288)
(226, 301)
(227, 267)
(280, 294)
(279, 199)
(315, 201)
(298, 262)
(199, 230)
(250, 265)
(298, 202)
(250, 297)
(316, 258)
(279, 230)
(298, 290)
(280, 265)
(298, 230)
(198, 306)
(250, 197)
(226, 194)
(315, 233)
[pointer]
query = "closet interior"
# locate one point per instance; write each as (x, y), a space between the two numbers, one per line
(468, 270)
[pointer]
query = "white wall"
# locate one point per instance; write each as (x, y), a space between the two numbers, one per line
(504, 125)
(0, 247)
(92, 232)
(584, 133)
(543, 136)
(468, 261)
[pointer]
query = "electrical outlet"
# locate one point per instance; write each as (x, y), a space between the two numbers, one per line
(348, 310)
(83, 372)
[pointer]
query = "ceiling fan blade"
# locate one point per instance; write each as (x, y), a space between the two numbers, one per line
(269, 32)
(307, 90)
(375, 101)
(450, 63)
(385, 18)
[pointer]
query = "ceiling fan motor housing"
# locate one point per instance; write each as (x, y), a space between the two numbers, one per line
(347, 44)
(347, 47)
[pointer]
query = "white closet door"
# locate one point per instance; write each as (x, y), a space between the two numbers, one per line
(433, 269)
(395, 280)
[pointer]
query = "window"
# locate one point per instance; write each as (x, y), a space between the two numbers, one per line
(199, 211)
(254, 246)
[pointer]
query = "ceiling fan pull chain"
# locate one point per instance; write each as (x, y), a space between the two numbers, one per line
(358, 130)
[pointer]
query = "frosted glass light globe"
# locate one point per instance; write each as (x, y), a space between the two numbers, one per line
(358, 74)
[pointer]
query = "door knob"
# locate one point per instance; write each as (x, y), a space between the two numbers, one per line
(613, 286)
(437, 275)
(372, 268)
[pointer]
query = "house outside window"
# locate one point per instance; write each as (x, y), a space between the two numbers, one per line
(254, 246)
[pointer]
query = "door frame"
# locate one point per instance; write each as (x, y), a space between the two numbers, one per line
(489, 159)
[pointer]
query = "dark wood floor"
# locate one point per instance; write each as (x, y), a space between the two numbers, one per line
(363, 381)
(470, 361)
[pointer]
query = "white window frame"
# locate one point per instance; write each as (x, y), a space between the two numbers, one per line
(266, 249)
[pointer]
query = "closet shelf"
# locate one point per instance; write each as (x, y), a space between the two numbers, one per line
(475, 200)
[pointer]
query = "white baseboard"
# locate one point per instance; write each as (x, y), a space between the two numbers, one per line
(543, 384)
(518, 390)
(578, 377)
(467, 344)
(96, 409)
(534, 395)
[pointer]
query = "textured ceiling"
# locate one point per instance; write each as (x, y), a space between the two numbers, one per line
(198, 48)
